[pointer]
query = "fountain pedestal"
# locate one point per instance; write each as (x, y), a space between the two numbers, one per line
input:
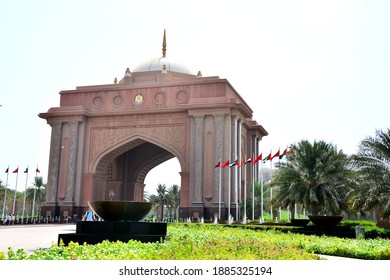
(96, 232)
(121, 223)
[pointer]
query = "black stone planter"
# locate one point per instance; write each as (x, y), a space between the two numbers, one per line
(121, 223)
(299, 222)
(121, 210)
(325, 220)
(97, 232)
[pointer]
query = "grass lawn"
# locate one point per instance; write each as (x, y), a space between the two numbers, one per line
(191, 241)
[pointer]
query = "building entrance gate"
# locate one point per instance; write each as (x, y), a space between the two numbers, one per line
(106, 138)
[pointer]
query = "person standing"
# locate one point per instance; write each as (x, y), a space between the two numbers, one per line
(89, 216)
(9, 219)
(74, 218)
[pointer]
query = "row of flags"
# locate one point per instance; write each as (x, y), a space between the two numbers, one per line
(25, 171)
(254, 160)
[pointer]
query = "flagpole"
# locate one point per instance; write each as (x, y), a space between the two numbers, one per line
(262, 191)
(270, 188)
(245, 192)
(35, 190)
(236, 177)
(253, 187)
(25, 194)
(5, 194)
(16, 187)
(229, 193)
(220, 192)
(280, 208)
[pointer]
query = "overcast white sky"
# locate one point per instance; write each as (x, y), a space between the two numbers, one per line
(308, 69)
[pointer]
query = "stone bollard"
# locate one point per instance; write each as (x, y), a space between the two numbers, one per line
(360, 232)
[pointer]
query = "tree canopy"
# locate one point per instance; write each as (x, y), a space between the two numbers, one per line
(372, 163)
(317, 176)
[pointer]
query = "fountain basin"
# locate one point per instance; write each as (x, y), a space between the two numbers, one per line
(121, 210)
(325, 220)
(299, 222)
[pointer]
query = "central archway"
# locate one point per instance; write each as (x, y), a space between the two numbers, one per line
(120, 172)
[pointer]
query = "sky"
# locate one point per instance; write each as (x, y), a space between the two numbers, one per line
(313, 70)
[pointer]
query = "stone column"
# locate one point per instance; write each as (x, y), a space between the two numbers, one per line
(218, 152)
(184, 211)
(184, 189)
(139, 191)
(233, 171)
(54, 164)
(238, 175)
(72, 160)
(198, 159)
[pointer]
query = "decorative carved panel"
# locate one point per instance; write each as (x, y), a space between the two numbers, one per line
(103, 139)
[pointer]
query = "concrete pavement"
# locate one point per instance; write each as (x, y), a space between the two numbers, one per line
(32, 237)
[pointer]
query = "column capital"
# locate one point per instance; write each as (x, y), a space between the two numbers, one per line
(199, 118)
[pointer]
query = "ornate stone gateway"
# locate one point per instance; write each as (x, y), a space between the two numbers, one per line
(106, 138)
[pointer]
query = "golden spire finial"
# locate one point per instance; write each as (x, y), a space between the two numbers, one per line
(164, 45)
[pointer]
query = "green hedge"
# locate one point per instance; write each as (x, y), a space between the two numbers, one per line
(217, 242)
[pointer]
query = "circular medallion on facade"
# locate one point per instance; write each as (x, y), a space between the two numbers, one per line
(138, 99)
(117, 101)
(159, 98)
(97, 102)
(181, 97)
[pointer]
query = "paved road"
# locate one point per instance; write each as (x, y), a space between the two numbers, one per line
(32, 237)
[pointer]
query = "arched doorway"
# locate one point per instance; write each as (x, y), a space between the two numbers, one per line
(120, 174)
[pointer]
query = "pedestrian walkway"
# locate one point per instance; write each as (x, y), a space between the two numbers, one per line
(32, 237)
(336, 258)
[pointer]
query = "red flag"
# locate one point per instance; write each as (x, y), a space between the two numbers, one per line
(6, 171)
(283, 154)
(267, 158)
(276, 155)
(290, 151)
(37, 170)
(233, 163)
(249, 160)
(26, 171)
(260, 157)
(16, 170)
(225, 164)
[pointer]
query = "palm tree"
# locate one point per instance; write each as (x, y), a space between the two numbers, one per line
(316, 176)
(152, 198)
(373, 165)
(155, 200)
(3, 198)
(173, 199)
(36, 194)
(161, 191)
